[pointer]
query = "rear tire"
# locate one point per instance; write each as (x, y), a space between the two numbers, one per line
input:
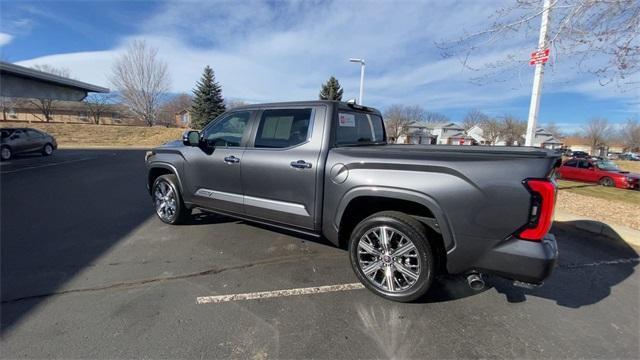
(47, 150)
(5, 153)
(607, 181)
(406, 261)
(168, 200)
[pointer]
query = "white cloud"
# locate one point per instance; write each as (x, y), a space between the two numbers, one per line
(283, 51)
(5, 38)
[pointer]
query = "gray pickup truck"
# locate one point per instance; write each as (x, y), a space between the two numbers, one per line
(405, 212)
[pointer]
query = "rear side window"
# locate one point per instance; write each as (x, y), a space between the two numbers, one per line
(34, 133)
(585, 164)
(571, 163)
(283, 128)
(355, 128)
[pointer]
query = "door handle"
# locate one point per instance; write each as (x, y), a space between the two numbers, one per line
(301, 164)
(231, 159)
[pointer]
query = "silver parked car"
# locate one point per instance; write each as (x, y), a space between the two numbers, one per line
(25, 140)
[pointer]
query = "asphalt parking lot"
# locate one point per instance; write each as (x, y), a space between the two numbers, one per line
(88, 272)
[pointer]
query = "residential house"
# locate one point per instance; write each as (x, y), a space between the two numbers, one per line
(545, 139)
(416, 134)
(477, 135)
(183, 118)
(449, 133)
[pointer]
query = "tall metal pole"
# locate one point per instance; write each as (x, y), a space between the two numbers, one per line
(537, 79)
(361, 82)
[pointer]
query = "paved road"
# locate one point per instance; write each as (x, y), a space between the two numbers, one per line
(88, 272)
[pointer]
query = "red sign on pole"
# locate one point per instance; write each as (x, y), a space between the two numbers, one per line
(539, 57)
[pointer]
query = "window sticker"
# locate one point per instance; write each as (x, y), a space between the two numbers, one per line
(347, 120)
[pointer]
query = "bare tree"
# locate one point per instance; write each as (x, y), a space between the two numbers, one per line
(630, 134)
(554, 130)
(141, 78)
(46, 106)
(7, 104)
(597, 131)
(601, 36)
(172, 106)
(435, 117)
(398, 118)
(473, 118)
(513, 130)
(59, 71)
(491, 130)
(97, 105)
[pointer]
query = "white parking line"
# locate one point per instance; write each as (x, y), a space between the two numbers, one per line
(46, 165)
(278, 293)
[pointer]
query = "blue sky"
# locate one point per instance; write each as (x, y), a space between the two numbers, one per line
(276, 51)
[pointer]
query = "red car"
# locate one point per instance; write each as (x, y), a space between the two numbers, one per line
(604, 172)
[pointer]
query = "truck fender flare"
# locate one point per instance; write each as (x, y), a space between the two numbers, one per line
(402, 194)
(170, 167)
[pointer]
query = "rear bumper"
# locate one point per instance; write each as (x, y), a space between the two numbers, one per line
(522, 260)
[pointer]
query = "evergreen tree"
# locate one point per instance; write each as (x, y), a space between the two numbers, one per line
(331, 90)
(208, 102)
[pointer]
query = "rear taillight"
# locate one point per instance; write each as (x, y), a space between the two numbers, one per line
(543, 200)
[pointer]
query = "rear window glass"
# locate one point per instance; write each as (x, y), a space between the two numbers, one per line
(585, 165)
(356, 128)
(283, 128)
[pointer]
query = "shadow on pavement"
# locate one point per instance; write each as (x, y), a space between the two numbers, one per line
(589, 266)
(206, 218)
(56, 221)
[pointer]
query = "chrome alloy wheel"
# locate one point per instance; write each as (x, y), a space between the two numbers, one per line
(6, 153)
(389, 259)
(48, 149)
(165, 200)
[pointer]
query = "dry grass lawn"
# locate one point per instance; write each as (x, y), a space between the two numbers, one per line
(633, 166)
(601, 192)
(606, 204)
(90, 135)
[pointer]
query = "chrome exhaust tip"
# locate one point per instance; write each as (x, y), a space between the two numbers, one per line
(475, 282)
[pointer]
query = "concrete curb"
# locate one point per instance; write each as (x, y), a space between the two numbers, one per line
(615, 231)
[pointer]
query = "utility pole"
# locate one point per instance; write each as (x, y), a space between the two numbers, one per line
(537, 78)
(361, 61)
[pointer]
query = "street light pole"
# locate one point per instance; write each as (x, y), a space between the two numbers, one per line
(362, 64)
(536, 92)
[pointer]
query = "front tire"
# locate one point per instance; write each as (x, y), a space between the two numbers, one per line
(168, 200)
(607, 181)
(392, 256)
(5, 153)
(47, 150)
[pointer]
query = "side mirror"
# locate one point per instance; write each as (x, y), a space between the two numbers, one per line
(191, 138)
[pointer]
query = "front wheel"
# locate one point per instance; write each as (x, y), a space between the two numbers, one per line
(5, 153)
(391, 256)
(168, 200)
(606, 181)
(47, 150)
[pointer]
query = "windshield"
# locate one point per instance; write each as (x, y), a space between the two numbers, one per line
(607, 165)
(356, 128)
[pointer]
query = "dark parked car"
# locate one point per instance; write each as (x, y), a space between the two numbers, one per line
(601, 171)
(25, 140)
(629, 157)
(580, 155)
(405, 212)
